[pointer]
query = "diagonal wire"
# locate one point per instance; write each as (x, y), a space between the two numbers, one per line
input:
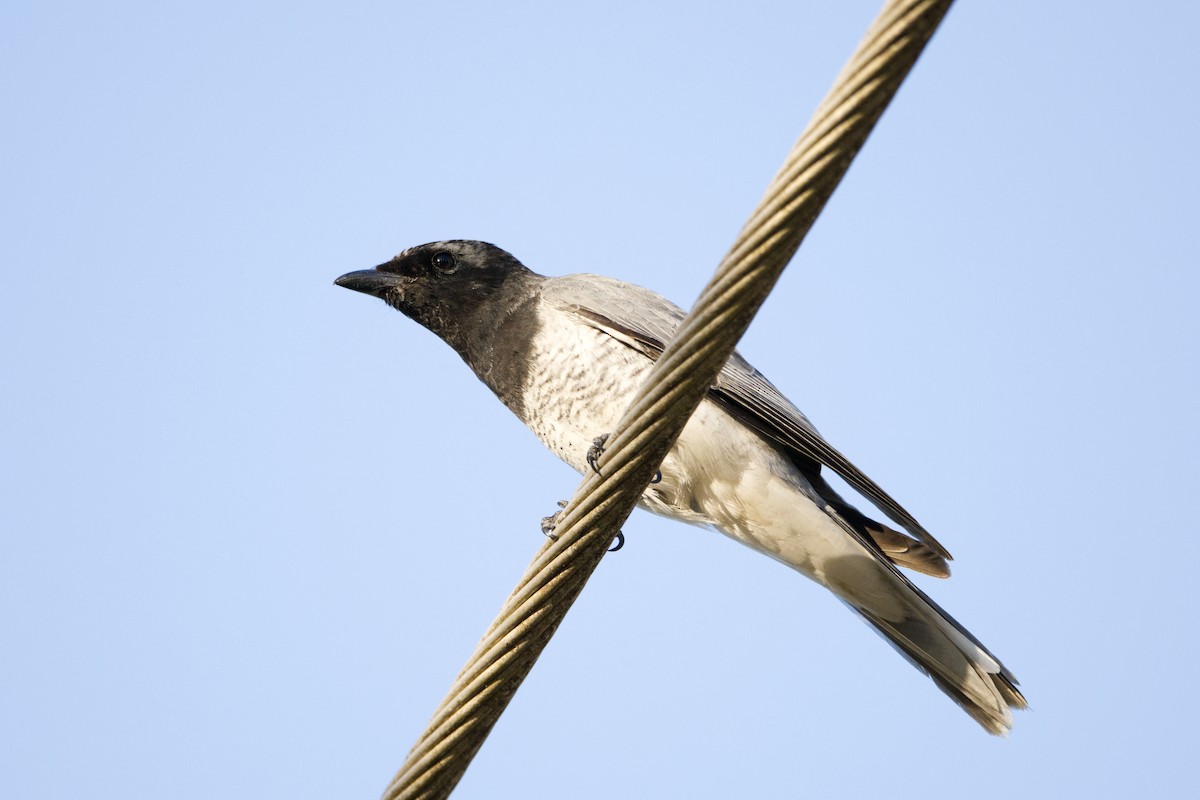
(674, 388)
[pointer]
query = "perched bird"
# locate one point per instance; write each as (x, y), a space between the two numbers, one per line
(566, 354)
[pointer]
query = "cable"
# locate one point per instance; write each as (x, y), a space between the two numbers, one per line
(677, 383)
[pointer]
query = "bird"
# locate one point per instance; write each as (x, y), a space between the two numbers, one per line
(567, 353)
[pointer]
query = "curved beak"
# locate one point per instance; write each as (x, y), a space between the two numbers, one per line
(370, 281)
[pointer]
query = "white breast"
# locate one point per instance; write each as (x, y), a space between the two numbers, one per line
(579, 382)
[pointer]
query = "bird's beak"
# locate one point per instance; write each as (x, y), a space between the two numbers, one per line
(370, 281)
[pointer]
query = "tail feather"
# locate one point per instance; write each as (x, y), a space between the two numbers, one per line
(971, 677)
(929, 638)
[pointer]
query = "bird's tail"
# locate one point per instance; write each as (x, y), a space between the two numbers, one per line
(943, 649)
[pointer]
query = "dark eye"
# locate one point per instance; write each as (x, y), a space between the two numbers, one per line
(444, 262)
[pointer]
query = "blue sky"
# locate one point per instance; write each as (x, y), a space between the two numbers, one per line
(253, 524)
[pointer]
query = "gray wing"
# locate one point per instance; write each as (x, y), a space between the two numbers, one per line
(645, 321)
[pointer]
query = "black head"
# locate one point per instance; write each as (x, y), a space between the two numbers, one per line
(453, 288)
(439, 283)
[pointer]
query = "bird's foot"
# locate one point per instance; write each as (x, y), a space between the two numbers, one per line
(593, 460)
(595, 451)
(551, 522)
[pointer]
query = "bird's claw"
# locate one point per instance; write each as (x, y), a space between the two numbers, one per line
(595, 451)
(593, 460)
(551, 522)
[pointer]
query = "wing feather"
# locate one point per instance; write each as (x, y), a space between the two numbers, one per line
(645, 321)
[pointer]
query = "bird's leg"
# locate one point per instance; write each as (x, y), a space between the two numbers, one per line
(593, 459)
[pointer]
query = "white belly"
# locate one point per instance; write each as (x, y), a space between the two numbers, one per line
(719, 474)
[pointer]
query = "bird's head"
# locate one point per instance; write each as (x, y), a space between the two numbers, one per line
(449, 287)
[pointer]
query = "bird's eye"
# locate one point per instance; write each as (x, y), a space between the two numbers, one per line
(444, 262)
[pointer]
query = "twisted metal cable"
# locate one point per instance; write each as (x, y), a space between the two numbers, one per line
(677, 383)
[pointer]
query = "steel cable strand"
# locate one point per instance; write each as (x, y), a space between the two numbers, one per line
(672, 391)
